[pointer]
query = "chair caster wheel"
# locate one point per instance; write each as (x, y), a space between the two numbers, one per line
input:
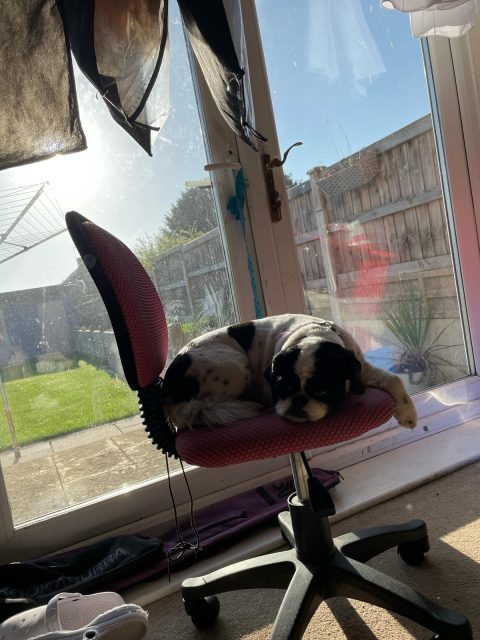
(203, 612)
(413, 553)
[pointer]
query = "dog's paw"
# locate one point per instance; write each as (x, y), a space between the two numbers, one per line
(405, 413)
(253, 407)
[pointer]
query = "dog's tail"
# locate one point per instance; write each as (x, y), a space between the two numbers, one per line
(211, 412)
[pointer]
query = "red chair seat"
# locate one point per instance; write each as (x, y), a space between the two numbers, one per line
(269, 435)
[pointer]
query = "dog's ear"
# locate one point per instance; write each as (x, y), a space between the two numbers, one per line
(354, 374)
(269, 373)
(281, 363)
(271, 381)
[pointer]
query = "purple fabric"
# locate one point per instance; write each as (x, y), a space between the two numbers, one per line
(222, 521)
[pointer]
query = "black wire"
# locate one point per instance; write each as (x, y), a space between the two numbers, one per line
(176, 552)
(192, 519)
(173, 499)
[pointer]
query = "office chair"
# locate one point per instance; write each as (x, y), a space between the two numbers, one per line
(317, 566)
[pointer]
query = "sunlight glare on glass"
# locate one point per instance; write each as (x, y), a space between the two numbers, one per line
(83, 169)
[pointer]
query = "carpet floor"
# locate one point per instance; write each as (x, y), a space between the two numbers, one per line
(449, 575)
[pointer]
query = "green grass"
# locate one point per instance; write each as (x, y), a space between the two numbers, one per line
(51, 404)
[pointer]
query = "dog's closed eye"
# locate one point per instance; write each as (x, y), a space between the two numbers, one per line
(287, 386)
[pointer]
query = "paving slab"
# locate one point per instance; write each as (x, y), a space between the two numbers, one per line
(22, 470)
(34, 484)
(85, 451)
(129, 424)
(73, 470)
(130, 439)
(85, 437)
(132, 428)
(64, 471)
(28, 507)
(156, 468)
(35, 495)
(103, 483)
(143, 453)
(29, 452)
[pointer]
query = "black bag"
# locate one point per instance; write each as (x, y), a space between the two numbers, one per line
(24, 585)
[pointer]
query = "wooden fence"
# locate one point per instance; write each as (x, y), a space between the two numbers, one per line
(193, 279)
(397, 220)
(392, 226)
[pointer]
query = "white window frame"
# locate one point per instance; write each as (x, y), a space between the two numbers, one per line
(273, 249)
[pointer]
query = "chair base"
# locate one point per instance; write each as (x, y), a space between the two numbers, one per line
(312, 573)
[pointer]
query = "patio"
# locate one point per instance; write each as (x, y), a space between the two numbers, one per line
(65, 471)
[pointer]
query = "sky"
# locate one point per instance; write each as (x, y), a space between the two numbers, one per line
(346, 60)
(349, 61)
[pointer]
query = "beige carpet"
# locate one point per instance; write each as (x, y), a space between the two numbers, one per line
(450, 575)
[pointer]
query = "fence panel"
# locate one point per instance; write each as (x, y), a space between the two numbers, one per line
(396, 218)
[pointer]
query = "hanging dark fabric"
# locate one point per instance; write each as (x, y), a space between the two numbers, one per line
(123, 50)
(212, 43)
(39, 114)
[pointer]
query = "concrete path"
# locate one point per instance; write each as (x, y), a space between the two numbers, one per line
(65, 471)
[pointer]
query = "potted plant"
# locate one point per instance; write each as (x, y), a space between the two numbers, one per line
(349, 173)
(410, 321)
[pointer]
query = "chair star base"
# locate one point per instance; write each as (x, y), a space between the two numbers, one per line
(319, 567)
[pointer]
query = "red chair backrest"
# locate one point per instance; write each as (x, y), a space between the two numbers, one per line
(132, 302)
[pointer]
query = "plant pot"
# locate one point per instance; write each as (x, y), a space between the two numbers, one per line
(364, 170)
(418, 380)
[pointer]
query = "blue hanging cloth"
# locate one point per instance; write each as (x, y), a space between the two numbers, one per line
(235, 206)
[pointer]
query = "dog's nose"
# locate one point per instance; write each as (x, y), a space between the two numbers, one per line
(296, 407)
(299, 401)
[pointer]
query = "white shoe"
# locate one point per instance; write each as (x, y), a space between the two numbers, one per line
(71, 616)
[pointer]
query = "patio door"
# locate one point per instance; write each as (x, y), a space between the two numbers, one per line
(374, 201)
(81, 444)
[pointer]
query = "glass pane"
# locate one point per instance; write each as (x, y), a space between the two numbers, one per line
(347, 79)
(74, 417)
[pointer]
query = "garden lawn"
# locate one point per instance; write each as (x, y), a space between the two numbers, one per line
(51, 404)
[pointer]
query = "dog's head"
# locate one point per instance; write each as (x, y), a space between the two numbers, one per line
(310, 378)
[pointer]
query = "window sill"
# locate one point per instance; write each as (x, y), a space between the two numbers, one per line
(365, 484)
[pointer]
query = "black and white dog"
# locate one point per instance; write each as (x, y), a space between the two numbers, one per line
(302, 365)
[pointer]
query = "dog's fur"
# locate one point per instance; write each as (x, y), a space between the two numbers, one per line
(302, 365)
